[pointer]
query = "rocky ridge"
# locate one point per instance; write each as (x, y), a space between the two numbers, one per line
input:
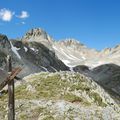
(61, 96)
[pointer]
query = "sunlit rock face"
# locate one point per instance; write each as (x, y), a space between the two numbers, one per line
(38, 35)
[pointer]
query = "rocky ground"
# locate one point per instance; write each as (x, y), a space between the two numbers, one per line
(60, 96)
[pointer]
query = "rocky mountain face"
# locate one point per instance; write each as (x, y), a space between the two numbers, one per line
(108, 76)
(38, 35)
(32, 56)
(73, 53)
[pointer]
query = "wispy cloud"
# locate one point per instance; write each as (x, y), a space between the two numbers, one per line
(23, 23)
(6, 15)
(24, 14)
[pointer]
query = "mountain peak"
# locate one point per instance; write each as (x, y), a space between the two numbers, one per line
(4, 42)
(3, 37)
(36, 34)
(71, 42)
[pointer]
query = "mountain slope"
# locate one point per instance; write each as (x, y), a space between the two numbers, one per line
(73, 53)
(108, 76)
(60, 96)
(31, 56)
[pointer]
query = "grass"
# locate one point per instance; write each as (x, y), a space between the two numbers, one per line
(49, 87)
(97, 99)
(49, 118)
(72, 98)
(35, 114)
(54, 87)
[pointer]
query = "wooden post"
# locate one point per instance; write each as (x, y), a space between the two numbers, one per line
(11, 101)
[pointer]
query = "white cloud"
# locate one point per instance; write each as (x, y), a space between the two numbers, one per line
(23, 23)
(6, 15)
(24, 14)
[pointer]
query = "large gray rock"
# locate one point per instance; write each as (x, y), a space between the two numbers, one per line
(3, 75)
(108, 76)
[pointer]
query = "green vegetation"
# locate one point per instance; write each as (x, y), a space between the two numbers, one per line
(53, 87)
(80, 86)
(69, 88)
(35, 114)
(97, 99)
(49, 118)
(72, 98)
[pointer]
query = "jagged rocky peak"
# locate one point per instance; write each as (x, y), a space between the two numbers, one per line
(71, 42)
(106, 51)
(113, 50)
(117, 48)
(4, 42)
(37, 34)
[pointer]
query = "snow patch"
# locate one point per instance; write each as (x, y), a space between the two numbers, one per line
(53, 68)
(54, 47)
(71, 69)
(44, 68)
(74, 57)
(32, 49)
(67, 63)
(26, 49)
(14, 49)
(67, 56)
(83, 58)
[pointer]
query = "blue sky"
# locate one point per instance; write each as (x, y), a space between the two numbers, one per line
(95, 23)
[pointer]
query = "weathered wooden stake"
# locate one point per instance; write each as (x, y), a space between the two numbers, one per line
(11, 100)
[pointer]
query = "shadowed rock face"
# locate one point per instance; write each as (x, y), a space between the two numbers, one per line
(4, 43)
(108, 76)
(3, 75)
(81, 68)
(36, 57)
(31, 56)
(4, 49)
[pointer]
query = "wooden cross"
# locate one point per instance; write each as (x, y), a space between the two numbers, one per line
(10, 81)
